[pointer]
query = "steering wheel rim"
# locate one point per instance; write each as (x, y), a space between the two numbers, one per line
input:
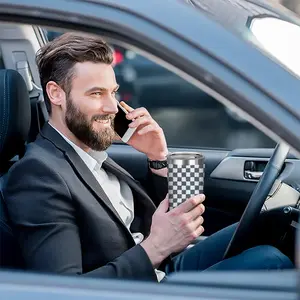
(257, 199)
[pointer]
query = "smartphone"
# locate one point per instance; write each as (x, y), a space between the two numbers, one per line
(121, 124)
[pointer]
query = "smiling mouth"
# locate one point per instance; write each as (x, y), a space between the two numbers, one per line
(103, 121)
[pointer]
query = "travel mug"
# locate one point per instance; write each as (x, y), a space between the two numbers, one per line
(185, 176)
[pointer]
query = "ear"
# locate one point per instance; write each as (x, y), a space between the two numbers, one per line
(55, 93)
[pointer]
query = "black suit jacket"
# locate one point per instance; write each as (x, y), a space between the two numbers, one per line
(63, 219)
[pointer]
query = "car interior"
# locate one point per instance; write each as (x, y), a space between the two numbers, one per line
(231, 175)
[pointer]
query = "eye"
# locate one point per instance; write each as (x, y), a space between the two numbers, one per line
(97, 93)
(114, 92)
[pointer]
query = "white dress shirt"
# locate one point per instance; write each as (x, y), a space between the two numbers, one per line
(118, 191)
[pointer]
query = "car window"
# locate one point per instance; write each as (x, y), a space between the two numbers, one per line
(188, 116)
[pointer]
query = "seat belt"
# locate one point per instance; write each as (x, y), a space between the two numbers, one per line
(36, 98)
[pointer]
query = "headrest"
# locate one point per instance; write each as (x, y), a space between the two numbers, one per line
(15, 114)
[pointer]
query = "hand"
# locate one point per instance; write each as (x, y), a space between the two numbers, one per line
(172, 231)
(149, 137)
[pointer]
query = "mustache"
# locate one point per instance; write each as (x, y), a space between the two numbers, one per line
(103, 117)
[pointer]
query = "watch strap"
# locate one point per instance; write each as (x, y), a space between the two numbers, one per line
(157, 164)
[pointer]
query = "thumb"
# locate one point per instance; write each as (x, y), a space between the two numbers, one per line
(164, 205)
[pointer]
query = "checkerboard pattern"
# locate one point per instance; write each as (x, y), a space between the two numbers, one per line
(184, 182)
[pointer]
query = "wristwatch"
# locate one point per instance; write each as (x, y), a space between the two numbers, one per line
(157, 164)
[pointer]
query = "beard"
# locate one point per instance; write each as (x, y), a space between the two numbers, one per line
(80, 125)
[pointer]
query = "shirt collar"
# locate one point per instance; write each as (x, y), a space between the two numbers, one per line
(93, 159)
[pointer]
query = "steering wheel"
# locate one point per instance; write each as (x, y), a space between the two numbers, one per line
(257, 200)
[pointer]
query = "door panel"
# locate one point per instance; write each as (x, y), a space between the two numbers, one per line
(227, 191)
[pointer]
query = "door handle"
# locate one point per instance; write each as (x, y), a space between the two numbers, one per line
(253, 175)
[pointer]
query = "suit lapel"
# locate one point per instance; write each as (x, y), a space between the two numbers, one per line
(79, 167)
(122, 174)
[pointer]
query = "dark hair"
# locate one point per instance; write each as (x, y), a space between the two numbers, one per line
(57, 58)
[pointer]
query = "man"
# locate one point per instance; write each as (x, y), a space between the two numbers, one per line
(75, 211)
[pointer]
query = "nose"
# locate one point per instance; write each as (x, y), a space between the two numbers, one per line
(110, 106)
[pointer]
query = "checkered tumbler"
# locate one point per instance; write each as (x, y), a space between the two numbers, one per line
(185, 178)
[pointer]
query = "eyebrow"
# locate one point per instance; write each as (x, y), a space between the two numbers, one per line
(97, 88)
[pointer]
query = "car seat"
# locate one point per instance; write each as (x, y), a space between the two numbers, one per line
(15, 121)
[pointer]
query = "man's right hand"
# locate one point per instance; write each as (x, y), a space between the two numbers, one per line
(172, 231)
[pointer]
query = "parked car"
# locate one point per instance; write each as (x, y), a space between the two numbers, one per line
(241, 74)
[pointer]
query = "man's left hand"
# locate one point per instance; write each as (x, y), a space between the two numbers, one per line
(149, 137)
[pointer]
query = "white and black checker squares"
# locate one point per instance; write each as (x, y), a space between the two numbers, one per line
(184, 182)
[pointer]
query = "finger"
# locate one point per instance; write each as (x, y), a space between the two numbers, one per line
(198, 222)
(145, 120)
(189, 204)
(149, 128)
(198, 231)
(126, 106)
(138, 112)
(196, 212)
